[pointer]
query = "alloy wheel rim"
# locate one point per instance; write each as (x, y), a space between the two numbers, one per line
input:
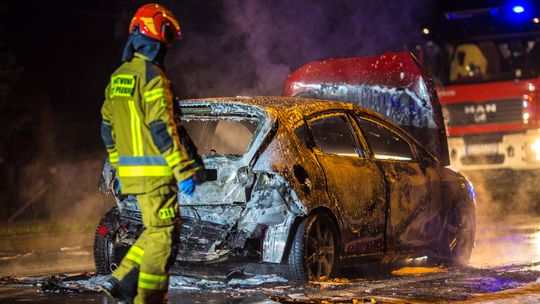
(320, 251)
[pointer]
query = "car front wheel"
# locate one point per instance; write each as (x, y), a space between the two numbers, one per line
(458, 238)
(314, 251)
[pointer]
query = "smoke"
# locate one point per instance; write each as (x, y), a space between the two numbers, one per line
(257, 43)
(507, 217)
(51, 228)
(60, 192)
(501, 193)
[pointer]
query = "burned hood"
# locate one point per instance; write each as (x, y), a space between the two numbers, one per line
(393, 84)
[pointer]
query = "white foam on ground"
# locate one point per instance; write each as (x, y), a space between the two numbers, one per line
(180, 282)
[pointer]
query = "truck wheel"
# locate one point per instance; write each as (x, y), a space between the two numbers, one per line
(457, 242)
(314, 250)
(108, 249)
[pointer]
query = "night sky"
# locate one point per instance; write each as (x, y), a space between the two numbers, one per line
(67, 50)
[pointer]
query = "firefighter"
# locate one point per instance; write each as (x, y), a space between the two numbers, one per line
(141, 137)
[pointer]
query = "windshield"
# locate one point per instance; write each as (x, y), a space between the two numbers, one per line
(483, 61)
(213, 136)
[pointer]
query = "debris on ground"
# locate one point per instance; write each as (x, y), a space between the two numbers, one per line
(72, 283)
(62, 283)
(191, 283)
(405, 271)
(434, 285)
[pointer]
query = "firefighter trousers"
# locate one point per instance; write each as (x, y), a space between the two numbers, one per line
(145, 268)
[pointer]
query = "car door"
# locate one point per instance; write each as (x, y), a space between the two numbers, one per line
(353, 182)
(413, 187)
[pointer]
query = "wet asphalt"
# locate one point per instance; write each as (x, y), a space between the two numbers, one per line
(505, 268)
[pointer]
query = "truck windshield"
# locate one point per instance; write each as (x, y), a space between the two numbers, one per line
(485, 44)
(492, 60)
(215, 136)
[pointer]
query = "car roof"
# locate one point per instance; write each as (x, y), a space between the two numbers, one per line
(272, 102)
(292, 108)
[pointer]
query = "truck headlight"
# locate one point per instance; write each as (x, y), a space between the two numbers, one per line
(526, 117)
(535, 147)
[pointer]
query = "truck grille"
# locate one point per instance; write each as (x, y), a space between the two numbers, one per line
(488, 112)
(482, 159)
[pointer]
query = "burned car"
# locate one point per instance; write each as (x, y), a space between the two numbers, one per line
(306, 183)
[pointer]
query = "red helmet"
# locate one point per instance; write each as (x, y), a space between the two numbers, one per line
(157, 22)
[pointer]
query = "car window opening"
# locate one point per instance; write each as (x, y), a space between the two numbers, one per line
(332, 135)
(385, 144)
(231, 136)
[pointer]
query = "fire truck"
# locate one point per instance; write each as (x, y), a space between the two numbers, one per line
(487, 65)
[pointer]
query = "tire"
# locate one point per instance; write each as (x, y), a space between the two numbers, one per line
(457, 241)
(108, 250)
(314, 250)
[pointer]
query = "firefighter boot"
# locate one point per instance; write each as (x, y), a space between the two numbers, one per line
(122, 294)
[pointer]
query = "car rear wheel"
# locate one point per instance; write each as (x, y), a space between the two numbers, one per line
(313, 254)
(108, 247)
(458, 240)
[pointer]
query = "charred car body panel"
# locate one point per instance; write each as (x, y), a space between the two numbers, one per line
(279, 160)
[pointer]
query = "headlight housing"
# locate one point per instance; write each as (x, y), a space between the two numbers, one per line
(535, 150)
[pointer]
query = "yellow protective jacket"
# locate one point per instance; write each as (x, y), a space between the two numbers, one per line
(139, 130)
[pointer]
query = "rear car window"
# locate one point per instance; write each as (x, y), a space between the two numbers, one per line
(384, 143)
(331, 134)
(221, 136)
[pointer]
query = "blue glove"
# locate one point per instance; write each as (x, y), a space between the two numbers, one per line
(118, 189)
(187, 186)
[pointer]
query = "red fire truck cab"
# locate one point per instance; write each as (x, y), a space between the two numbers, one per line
(487, 62)
(493, 125)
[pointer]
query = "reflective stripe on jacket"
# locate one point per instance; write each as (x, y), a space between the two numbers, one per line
(139, 130)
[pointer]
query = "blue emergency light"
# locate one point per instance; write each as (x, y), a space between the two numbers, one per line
(518, 9)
